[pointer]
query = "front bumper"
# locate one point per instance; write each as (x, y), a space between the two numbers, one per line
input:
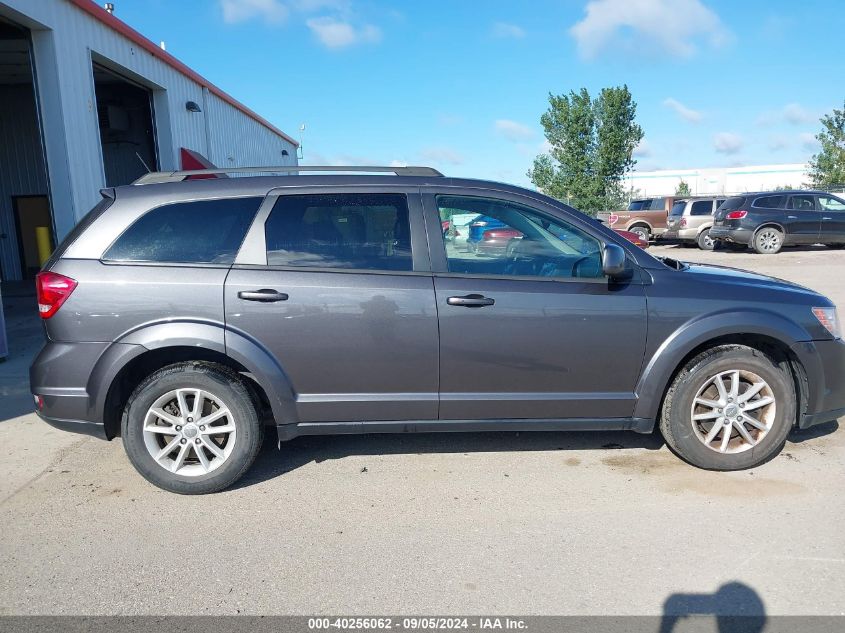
(736, 235)
(824, 364)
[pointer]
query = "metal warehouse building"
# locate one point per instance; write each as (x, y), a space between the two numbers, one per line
(87, 102)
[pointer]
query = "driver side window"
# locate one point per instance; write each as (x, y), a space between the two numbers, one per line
(486, 236)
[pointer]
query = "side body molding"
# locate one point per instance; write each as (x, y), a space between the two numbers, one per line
(660, 367)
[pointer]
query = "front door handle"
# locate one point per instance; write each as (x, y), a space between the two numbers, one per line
(265, 295)
(471, 301)
(827, 218)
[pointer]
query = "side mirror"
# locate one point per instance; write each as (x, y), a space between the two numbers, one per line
(613, 261)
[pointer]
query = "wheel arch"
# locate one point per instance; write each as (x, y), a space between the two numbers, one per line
(126, 363)
(768, 332)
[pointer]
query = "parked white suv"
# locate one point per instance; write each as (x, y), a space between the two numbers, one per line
(691, 219)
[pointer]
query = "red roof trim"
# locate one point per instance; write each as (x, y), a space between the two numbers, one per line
(98, 12)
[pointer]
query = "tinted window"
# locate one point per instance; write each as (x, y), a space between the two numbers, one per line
(829, 203)
(732, 204)
(702, 207)
(357, 231)
(657, 204)
(768, 202)
(205, 231)
(678, 208)
(639, 205)
(802, 203)
(720, 202)
(513, 240)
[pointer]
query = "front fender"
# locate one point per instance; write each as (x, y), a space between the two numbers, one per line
(661, 367)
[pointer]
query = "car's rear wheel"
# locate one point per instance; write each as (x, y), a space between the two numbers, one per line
(642, 231)
(729, 408)
(768, 240)
(704, 241)
(192, 428)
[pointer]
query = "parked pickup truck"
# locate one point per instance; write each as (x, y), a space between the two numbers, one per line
(644, 216)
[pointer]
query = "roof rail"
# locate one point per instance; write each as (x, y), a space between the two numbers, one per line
(176, 176)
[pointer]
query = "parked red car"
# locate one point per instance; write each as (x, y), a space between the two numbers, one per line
(635, 238)
(495, 241)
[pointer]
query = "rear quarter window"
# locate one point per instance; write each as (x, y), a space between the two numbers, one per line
(197, 232)
(769, 202)
(732, 204)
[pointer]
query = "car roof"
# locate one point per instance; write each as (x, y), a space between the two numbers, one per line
(260, 185)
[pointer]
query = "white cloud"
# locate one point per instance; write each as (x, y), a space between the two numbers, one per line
(777, 143)
(792, 113)
(653, 26)
(727, 143)
(506, 30)
(442, 154)
(795, 114)
(643, 149)
(398, 163)
(513, 131)
(336, 33)
(270, 11)
(687, 114)
(809, 141)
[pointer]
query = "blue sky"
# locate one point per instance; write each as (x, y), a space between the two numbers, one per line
(461, 85)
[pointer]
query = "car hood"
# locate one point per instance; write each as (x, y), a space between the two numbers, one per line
(736, 276)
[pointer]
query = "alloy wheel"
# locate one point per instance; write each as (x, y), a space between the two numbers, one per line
(733, 411)
(189, 432)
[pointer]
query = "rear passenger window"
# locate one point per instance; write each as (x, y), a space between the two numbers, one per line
(802, 203)
(768, 202)
(200, 232)
(349, 231)
(702, 207)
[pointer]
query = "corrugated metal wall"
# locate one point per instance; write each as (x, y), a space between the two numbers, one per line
(65, 41)
(22, 171)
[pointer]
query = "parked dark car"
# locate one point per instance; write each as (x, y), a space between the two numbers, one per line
(185, 316)
(768, 221)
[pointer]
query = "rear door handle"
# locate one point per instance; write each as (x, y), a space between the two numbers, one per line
(471, 301)
(265, 295)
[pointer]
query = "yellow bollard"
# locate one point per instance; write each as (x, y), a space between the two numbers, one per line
(42, 239)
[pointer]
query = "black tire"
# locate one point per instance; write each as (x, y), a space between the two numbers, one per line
(642, 231)
(676, 422)
(704, 242)
(225, 385)
(768, 241)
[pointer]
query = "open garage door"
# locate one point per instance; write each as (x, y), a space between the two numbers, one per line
(127, 127)
(26, 220)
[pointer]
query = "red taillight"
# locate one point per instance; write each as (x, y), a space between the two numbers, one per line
(39, 402)
(683, 222)
(52, 290)
(736, 215)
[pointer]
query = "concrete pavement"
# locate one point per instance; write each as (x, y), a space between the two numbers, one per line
(528, 523)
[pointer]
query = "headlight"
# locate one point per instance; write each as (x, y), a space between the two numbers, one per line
(829, 320)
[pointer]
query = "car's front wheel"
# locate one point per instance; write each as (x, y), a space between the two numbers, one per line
(731, 407)
(192, 428)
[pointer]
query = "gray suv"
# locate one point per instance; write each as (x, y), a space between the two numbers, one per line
(186, 315)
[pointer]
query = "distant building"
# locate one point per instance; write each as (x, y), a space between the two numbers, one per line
(87, 102)
(716, 180)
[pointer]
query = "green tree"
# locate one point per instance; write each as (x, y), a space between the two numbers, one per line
(827, 168)
(592, 145)
(683, 188)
